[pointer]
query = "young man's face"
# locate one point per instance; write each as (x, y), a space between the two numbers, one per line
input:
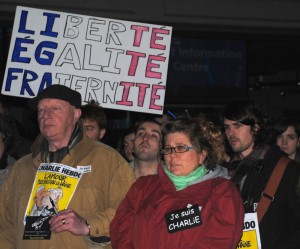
(147, 141)
(240, 137)
(92, 129)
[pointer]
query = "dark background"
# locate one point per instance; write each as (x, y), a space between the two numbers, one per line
(266, 72)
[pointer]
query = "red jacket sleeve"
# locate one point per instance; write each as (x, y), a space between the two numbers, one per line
(120, 226)
(225, 220)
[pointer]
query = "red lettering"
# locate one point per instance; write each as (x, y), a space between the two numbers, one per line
(142, 92)
(155, 37)
(155, 97)
(139, 30)
(134, 61)
(151, 65)
(125, 94)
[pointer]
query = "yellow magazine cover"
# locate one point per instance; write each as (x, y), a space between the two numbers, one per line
(52, 191)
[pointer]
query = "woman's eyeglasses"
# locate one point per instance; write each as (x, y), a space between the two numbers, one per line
(177, 149)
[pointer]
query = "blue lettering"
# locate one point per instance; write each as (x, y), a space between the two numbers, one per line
(28, 77)
(23, 21)
(46, 80)
(11, 77)
(39, 51)
(16, 55)
(49, 26)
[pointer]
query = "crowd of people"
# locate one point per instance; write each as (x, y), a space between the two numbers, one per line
(170, 182)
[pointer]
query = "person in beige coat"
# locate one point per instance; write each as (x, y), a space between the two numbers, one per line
(85, 222)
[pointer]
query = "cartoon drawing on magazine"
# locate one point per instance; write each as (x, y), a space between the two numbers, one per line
(52, 190)
(46, 201)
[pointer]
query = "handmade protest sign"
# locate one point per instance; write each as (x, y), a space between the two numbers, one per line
(120, 64)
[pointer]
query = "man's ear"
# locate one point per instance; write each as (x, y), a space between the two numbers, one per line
(77, 114)
(102, 133)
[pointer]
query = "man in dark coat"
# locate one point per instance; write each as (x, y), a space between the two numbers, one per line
(251, 166)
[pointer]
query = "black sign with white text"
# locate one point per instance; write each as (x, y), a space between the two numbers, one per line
(183, 219)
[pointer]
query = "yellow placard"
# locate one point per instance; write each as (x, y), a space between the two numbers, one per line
(249, 240)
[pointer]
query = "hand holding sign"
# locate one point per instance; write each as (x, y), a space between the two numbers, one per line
(69, 220)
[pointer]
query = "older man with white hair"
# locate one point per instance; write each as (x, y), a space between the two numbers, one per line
(85, 222)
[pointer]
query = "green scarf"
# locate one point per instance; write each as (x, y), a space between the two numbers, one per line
(181, 182)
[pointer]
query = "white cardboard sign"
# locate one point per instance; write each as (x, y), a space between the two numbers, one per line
(121, 64)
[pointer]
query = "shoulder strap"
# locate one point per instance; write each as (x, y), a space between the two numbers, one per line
(268, 194)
